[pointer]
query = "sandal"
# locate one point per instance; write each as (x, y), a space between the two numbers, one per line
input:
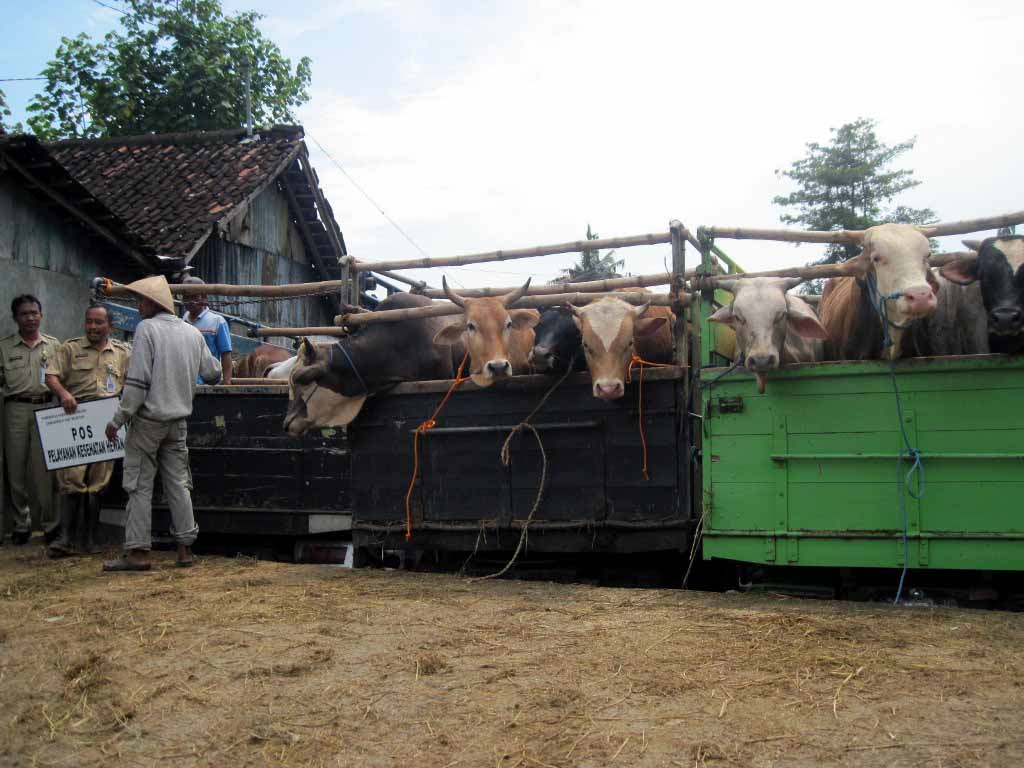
(124, 564)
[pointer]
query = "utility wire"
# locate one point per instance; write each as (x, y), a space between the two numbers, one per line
(365, 194)
(18, 79)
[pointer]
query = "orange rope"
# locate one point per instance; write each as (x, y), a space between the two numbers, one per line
(634, 360)
(428, 424)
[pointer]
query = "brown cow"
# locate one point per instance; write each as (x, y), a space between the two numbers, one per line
(895, 256)
(612, 330)
(498, 339)
(256, 363)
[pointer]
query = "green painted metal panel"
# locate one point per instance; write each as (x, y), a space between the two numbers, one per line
(806, 474)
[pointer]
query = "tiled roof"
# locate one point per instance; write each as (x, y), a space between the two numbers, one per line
(171, 189)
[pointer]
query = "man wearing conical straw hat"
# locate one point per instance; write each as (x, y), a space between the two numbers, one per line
(168, 356)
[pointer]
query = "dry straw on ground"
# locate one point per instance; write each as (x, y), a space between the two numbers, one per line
(238, 663)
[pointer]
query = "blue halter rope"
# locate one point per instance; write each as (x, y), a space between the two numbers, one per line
(904, 483)
(352, 365)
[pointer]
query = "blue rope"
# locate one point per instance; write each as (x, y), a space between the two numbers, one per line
(907, 451)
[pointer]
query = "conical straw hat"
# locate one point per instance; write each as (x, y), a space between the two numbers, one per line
(155, 289)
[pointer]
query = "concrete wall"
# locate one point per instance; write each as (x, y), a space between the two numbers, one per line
(43, 254)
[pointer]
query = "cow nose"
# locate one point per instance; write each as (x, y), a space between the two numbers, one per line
(762, 362)
(919, 301)
(608, 389)
(499, 368)
(1006, 318)
(539, 356)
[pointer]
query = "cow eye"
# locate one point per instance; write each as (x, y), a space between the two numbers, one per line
(470, 327)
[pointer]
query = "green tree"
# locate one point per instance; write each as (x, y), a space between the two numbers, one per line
(593, 265)
(175, 65)
(5, 116)
(847, 184)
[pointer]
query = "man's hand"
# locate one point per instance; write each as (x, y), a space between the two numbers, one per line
(111, 431)
(68, 402)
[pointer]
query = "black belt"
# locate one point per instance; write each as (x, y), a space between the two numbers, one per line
(33, 399)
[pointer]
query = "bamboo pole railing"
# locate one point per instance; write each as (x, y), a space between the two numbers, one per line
(844, 236)
(543, 289)
(823, 271)
(418, 285)
(575, 246)
(440, 309)
(225, 289)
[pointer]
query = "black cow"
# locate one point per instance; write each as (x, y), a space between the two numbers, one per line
(557, 342)
(330, 382)
(999, 269)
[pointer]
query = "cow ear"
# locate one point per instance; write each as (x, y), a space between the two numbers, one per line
(645, 326)
(524, 318)
(858, 266)
(960, 271)
(307, 352)
(802, 319)
(724, 316)
(450, 334)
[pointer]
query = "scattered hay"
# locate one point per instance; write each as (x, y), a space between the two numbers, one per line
(242, 662)
(430, 664)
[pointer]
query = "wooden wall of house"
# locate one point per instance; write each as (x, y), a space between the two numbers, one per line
(44, 254)
(262, 246)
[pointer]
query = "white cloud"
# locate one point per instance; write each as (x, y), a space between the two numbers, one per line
(627, 115)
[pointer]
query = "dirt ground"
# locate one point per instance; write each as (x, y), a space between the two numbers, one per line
(238, 662)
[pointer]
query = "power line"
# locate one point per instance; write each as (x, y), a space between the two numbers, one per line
(365, 194)
(18, 79)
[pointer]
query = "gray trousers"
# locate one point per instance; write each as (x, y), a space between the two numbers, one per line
(153, 445)
(32, 488)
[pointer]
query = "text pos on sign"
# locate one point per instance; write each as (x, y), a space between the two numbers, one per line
(73, 439)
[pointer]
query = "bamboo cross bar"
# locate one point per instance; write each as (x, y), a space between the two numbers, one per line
(591, 286)
(325, 330)
(419, 285)
(850, 236)
(441, 309)
(224, 289)
(514, 253)
(823, 271)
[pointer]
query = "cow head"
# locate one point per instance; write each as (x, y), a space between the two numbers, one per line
(486, 329)
(556, 341)
(1000, 269)
(323, 389)
(762, 314)
(608, 327)
(897, 256)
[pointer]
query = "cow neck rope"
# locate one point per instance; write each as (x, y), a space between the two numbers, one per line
(506, 459)
(635, 359)
(427, 425)
(907, 450)
(352, 365)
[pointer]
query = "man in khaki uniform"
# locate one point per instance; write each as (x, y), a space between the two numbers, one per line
(168, 356)
(85, 368)
(23, 359)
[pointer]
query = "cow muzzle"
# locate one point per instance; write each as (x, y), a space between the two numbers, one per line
(1006, 321)
(917, 302)
(609, 389)
(498, 369)
(542, 358)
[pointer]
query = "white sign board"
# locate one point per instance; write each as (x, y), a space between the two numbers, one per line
(73, 439)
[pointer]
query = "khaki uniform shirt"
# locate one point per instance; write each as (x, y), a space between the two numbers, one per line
(87, 372)
(22, 367)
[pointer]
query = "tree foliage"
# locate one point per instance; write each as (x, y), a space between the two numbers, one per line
(593, 265)
(175, 65)
(5, 116)
(847, 184)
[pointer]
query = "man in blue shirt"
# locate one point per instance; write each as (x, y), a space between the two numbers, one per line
(214, 328)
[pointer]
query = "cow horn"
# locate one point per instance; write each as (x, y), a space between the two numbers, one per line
(856, 236)
(578, 311)
(974, 245)
(927, 231)
(453, 297)
(789, 283)
(511, 298)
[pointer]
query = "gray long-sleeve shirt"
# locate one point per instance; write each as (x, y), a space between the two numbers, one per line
(167, 357)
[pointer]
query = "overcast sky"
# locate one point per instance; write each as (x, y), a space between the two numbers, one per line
(490, 125)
